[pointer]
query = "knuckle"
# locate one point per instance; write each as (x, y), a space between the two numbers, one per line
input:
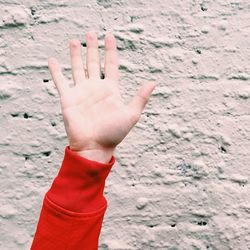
(135, 116)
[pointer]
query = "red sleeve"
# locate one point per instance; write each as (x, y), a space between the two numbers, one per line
(74, 206)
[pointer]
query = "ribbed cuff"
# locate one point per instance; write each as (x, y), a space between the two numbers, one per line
(80, 183)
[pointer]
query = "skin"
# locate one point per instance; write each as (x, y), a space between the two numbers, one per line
(95, 117)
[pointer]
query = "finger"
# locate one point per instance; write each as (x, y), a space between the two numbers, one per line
(57, 76)
(86, 73)
(141, 98)
(76, 61)
(111, 67)
(93, 61)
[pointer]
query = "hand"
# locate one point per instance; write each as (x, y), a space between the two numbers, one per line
(95, 118)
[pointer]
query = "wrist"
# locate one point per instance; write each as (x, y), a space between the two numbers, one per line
(99, 155)
(79, 184)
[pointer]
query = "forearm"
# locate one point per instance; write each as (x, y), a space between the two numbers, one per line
(80, 182)
(74, 206)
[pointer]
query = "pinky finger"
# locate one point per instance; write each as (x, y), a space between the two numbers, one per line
(57, 76)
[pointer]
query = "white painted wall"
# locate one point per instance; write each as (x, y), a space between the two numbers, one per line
(181, 180)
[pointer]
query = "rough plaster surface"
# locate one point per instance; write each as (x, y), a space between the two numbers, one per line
(181, 180)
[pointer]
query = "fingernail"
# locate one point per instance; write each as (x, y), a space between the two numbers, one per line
(91, 34)
(109, 35)
(52, 60)
(74, 42)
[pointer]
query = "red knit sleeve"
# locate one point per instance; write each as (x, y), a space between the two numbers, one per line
(74, 206)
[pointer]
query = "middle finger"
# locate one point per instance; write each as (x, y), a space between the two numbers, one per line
(93, 61)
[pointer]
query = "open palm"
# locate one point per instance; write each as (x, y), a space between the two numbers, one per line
(94, 114)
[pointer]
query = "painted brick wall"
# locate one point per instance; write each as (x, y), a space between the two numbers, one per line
(181, 180)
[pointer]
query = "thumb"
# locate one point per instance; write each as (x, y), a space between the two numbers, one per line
(139, 101)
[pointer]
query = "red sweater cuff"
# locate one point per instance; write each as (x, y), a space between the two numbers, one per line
(80, 183)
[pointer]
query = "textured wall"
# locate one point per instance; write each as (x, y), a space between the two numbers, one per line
(181, 180)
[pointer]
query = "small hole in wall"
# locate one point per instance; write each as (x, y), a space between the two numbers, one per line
(53, 124)
(203, 8)
(202, 223)
(223, 150)
(25, 115)
(45, 80)
(83, 44)
(47, 153)
(33, 11)
(173, 225)
(151, 226)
